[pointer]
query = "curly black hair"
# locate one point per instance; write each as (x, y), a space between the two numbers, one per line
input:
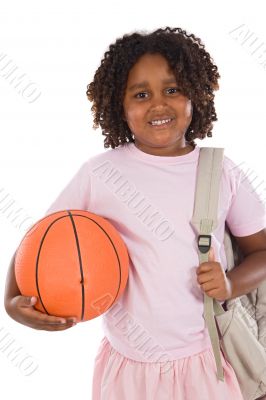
(191, 64)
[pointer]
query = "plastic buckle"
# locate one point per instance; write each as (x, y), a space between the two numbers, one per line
(204, 243)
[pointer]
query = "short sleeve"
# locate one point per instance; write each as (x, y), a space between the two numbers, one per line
(76, 194)
(247, 212)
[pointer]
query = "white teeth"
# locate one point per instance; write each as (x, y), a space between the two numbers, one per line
(160, 122)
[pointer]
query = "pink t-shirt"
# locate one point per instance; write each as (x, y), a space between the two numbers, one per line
(149, 199)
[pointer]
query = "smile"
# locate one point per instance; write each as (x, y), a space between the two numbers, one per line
(161, 124)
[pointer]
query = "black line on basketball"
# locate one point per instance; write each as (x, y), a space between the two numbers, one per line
(80, 215)
(80, 264)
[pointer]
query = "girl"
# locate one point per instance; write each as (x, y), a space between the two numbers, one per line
(152, 96)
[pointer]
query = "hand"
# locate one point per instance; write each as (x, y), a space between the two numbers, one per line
(213, 280)
(21, 309)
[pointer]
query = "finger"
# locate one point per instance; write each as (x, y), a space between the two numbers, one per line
(25, 301)
(203, 269)
(60, 322)
(46, 324)
(204, 281)
(206, 277)
(209, 286)
(45, 319)
(214, 294)
(52, 328)
(62, 327)
(52, 321)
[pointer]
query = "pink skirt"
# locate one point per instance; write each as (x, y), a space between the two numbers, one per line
(118, 378)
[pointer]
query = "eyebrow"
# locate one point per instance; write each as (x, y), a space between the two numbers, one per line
(145, 83)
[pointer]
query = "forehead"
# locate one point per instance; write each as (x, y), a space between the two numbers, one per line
(150, 64)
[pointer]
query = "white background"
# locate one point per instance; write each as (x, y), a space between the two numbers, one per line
(59, 45)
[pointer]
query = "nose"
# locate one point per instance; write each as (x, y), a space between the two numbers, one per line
(158, 101)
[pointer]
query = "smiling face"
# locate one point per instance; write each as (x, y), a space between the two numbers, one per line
(152, 94)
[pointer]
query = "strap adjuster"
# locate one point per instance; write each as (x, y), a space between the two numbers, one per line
(204, 243)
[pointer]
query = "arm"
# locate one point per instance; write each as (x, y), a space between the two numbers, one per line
(21, 309)
(248, 275)
(11, 288)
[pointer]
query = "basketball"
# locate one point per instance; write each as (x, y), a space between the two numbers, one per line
(75, 262)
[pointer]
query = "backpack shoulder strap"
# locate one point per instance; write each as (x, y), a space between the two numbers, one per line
(207, 189)
(205, 221)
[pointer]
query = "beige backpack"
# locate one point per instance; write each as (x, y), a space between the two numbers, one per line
(238, 327)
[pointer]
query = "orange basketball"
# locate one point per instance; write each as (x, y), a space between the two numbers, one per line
(75, 262)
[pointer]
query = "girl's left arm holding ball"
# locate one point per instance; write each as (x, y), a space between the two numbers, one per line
(21, 308)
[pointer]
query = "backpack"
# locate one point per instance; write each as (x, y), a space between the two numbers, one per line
(238, 326)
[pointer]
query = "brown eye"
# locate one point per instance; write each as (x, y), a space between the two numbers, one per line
(176, 89)
(139, 94)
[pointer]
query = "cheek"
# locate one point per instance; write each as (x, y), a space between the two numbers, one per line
(133, 115)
